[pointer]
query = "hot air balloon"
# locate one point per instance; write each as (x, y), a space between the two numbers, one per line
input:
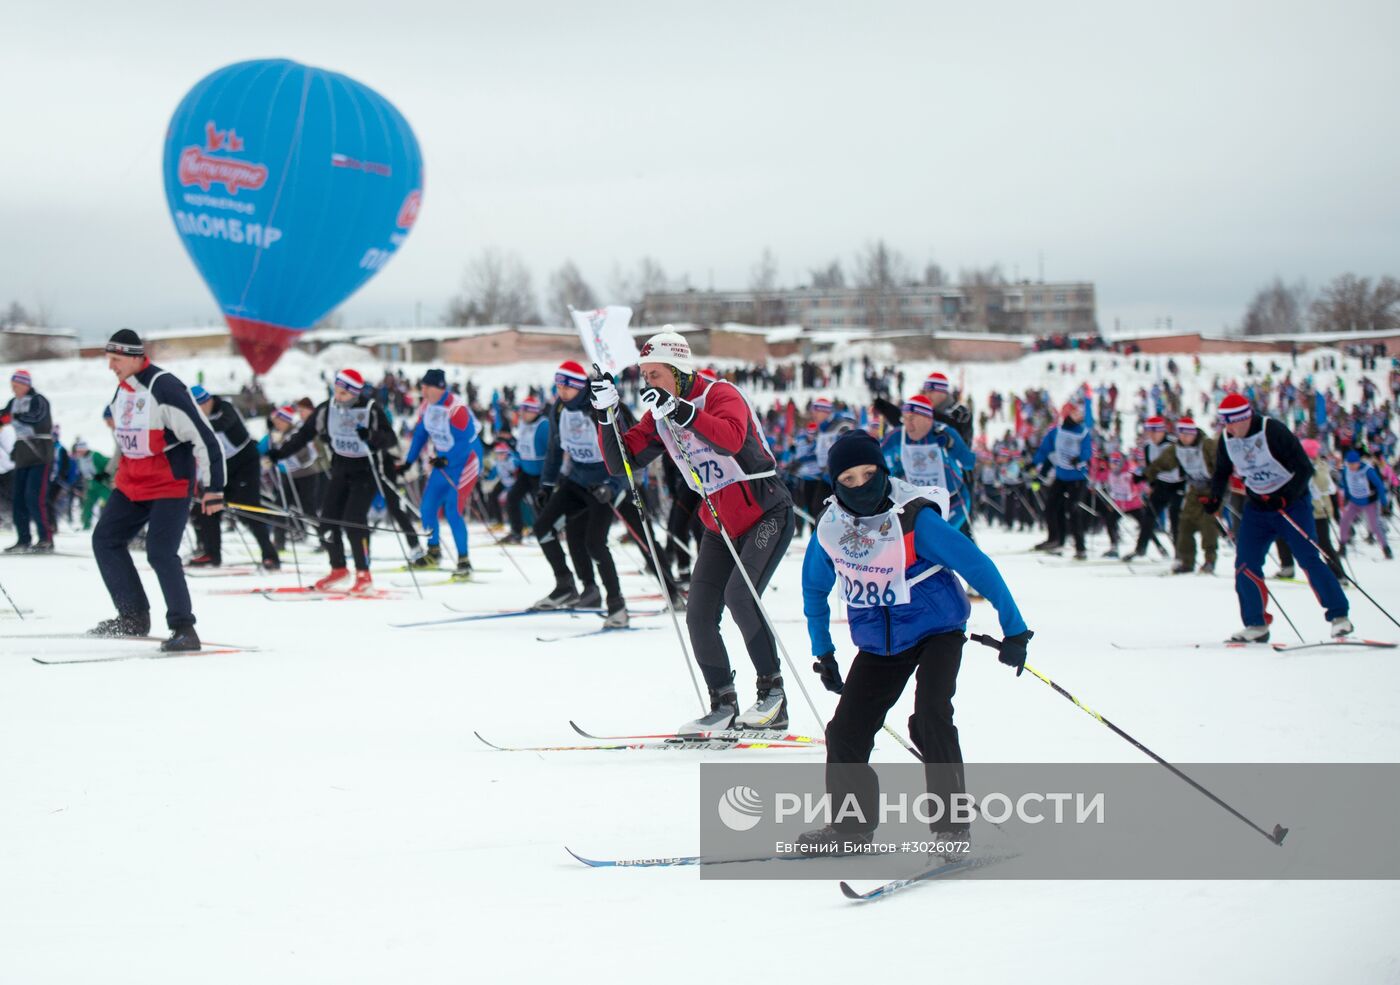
(290, 186)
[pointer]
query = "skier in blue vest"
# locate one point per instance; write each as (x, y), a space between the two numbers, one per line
(1277, 477)
(1069, 447)
(925, 453)
(897, 561)
(531, 446)
(448, 423)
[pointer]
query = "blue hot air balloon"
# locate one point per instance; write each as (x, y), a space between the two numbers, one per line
(290, 186)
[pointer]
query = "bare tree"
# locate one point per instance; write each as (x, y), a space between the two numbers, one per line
(982, 297)
(768, 305)
(880, 271)
(567, 287)
(17, 316)
(1351, 304)
(496, 289)
(830, 277)
(1278, 309)
(633, 287)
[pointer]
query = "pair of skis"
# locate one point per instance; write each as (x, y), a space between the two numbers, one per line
(938, 869)
(208, 649)
(723, 740)
(1277, 647)
(480, 616)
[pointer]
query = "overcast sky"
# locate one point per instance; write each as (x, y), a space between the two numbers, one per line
(1176, 155)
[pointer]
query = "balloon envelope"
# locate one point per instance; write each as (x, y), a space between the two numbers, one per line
(290, 187)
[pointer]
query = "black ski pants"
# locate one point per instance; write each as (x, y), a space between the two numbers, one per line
(164, 519)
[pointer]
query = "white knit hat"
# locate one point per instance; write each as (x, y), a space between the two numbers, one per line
(670, 347)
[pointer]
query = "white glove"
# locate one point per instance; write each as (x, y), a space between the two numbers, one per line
(602, 394)
(658, 401)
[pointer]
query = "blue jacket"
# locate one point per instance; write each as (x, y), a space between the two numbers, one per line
(1372, 478)
(937, 604)
(534, 464)
(585, 474)
(466, 438)
(957, 458)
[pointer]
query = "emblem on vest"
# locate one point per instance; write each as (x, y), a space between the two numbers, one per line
(856, 543)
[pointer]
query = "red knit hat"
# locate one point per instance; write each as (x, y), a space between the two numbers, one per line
(530, 404)
(348, 379)
(1235, 408)
(1155, 424)
(1186, 425)
(570, 373)
(287, 414)
(919, 404)
(823, 403)
(22, 376)
(936, 383)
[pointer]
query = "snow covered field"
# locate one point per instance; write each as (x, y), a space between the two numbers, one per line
(319, 811)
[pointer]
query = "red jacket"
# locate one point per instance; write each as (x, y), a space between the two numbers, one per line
(726, 425)
(165, 443)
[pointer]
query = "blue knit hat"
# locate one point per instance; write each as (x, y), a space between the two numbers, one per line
(199, 393)
(1353, 456)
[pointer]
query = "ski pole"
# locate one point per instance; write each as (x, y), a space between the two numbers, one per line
(646, 528)
(11, 601)
(292, 517)
(492, 534)
(398, 537)
(743, 572)
(1276, 836)
(277, 476)
(1354, 585)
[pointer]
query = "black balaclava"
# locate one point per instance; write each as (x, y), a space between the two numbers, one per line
(859, 448)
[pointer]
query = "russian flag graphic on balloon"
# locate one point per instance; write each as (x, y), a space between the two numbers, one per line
(290, 187)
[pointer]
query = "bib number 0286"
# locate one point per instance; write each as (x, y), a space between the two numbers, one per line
(867, 593)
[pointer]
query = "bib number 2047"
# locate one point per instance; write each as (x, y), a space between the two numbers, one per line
(867, 592)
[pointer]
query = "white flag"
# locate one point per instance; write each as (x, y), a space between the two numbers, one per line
(605, 336)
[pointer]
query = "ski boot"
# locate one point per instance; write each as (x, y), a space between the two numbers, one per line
(1285, 572)
(1208, 568)
(563, 597)
(463, 571)
(130, 624)
(1047, 545)
(512, 538)
(1081, 556)
(724, 708)
(827, 840)
(1251, 634)
(429, 558)
(1387, 553)
(1342, 628)
(590, 598)
(617, 615)
(204, 560)
(21, 547)
(272, 563)
(1112, 552)
(364, 583)
(770, 711)
(1182, 568)
(183, 640)
(42, 547)
(331, 582)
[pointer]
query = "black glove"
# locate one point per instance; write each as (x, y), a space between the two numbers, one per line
(1274, 504)
(1211, 504)
(830, 670)
(363, 432)
(602, 492)
(542, 494)
(1013, 651)
(438, 462)
(402, 468)
(944, 439)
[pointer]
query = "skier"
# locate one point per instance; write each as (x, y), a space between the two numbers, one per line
(1125, 489)
(354, 425)
(946, 410)
(1068, 447)
(242, 482)
(897, 561)
(531, 446)
(1363, 492)
(96, 469)
(585, 491)
(926, 453)
(1277, 478)
(29, 414)
(456, 462)
(713, 435)
(306, 470)
(1193, 458)
(166, 447)
(1168, 484)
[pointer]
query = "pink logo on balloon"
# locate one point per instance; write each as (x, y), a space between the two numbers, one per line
(408, 212)
(198, 168)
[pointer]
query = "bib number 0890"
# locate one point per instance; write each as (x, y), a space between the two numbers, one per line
(869, 593)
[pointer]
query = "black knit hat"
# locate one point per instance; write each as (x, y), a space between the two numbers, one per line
(853, 448)
(125, 342)
(434, 377)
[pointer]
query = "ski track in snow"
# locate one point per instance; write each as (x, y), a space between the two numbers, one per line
(318, 811)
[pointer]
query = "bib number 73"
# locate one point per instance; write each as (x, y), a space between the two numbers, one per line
(867, 593)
